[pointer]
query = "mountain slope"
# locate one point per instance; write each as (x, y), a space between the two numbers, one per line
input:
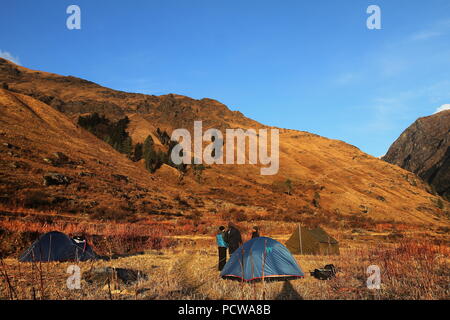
(331, 182)
(424, 148)
(37, 140)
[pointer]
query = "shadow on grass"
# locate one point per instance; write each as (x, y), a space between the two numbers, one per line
(288, 293)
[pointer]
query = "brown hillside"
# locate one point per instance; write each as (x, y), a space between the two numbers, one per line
(332, 182)
(31, 135)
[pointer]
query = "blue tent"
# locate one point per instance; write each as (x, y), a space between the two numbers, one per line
(262, 258)
(56, 246)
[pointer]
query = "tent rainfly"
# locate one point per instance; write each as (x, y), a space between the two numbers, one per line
(262, 258)
(315, 241)
(56, 246)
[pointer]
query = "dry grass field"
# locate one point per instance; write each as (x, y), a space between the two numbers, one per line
(184, 267)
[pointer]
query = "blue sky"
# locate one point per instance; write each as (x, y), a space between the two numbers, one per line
(306, 65)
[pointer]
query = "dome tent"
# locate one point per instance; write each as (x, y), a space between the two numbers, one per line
(261, 258)
(56, 246)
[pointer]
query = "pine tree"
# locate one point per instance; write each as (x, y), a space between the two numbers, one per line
(138, 152)
(147, 147)
(126, 146)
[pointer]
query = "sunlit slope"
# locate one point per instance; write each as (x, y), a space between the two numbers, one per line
(327, 177)
(31, 132)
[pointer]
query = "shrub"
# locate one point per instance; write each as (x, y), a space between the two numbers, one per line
(195, 216)
(115, 214)
(316, 200)
(198, 172)
(182, 202)
(226, 215)
(440, 203)
(36, 199)
(234, 215)
(241, 216)
(359, 221)
(282, 186)
(289, 217)
(289, 186)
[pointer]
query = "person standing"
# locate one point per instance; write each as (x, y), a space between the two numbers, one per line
(233, 238)
(255, 233)
(222, 245)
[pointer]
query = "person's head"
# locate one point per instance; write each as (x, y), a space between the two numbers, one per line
(256, 228)
(221, 228)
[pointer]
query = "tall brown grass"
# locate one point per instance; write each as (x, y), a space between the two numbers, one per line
(409, 270)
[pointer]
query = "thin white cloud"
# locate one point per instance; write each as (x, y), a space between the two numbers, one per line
(443, 107)
(385, 112)
(8, 56)
(438, 29)
(425, 35)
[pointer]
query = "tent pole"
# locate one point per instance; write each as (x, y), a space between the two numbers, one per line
(243, 274)
(263, 266)
(253, 274)
(49, 249)
(329, 246)
(300, 238)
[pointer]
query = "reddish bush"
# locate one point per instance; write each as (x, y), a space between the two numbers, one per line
(116, 214)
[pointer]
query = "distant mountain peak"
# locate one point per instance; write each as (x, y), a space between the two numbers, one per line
(424, 148)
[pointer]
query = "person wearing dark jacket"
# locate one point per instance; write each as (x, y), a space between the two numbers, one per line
(255, 233)
(233, 238)
(222, 245)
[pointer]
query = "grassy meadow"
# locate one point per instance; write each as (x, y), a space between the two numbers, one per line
(181, 263)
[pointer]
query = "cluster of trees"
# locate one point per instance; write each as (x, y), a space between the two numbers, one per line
(114, 133)
(163, 136)
(155, 158)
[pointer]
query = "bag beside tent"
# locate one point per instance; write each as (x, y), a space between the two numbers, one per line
(315, 241)
(56, 246)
